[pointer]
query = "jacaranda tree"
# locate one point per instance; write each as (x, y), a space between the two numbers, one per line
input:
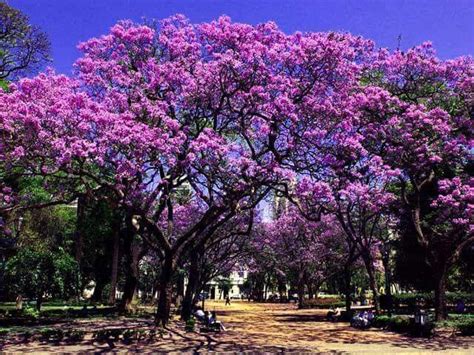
(229, 112)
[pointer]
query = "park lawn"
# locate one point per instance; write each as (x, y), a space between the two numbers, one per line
(48, 306)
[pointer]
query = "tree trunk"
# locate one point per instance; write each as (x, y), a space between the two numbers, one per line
(300, 290)
(281, 288)
(164, 300)
(372, 282)
(39, 301)
(98, 290)
(133, 256)
(80, 224)
(80, 220)
(115, 261)
(388, 284)
(187, 306)
(440, 295)
(347, 287)
(310, 291)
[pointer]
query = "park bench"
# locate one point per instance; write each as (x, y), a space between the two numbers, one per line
(421, 324)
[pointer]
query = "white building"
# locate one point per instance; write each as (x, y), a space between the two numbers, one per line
(237, 279)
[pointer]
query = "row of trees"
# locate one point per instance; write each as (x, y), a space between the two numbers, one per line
(183, 130)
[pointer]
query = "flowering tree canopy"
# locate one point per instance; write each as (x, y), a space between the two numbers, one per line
(190, 126)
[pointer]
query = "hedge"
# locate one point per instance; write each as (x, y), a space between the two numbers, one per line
(324, 302)
(410, 299)
(465, 326)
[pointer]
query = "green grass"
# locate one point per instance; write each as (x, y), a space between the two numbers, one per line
(48, 306)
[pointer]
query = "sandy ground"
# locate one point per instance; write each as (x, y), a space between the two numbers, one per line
(261, 327)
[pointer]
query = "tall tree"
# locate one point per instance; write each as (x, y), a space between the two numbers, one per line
(24, 48)
(417, 115)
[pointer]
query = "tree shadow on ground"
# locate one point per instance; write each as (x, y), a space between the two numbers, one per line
(342, 332)
(250, 328)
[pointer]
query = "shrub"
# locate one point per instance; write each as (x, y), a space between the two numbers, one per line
(30, 312)
(326, 302)
(410, 299)
(130, 335)
(465, 326)
(50, 334)
(190, 324)
(399, 324)
(107, 334)
(27, 335)
(4, 332)
(381, 321)
(75, 335)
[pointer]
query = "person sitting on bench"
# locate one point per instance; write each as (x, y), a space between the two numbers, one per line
(333, 314)
(213, 322)
(200, 315)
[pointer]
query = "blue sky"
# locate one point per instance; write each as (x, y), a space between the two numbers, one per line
(449, 24)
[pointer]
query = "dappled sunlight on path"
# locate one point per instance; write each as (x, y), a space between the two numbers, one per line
(284, 326)
(258, 327)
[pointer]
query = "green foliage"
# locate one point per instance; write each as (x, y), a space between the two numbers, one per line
(400, 324)
(381, 321)
(130, 335)
(48, 227)
(35, 272)
(27, 335)
(74, 335)
(324, 302)
(465, 326)
(224, 284)
(30, 312)
(4, 332)
(190, 324)
(104, 335)
(427, 298)
(23, 46)
(51, 334)
(3, 85)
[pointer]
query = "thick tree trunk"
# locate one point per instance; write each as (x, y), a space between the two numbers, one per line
(388, 283)
(133, 256)
(193, 280)
(300, 290)
(369, 265)
(440, 295)
(310, 291)
(282, 289)
(164, 300)
(98, 291)
(115, 260)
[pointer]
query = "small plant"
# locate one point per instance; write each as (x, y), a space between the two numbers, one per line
(465, 326)
(107, 334)
(399, 324)
(50, 334)
(190, 324)
(75, 335)
(4, 332)
(31, 312)
(129, 335)
(27, 335)
(381, 321)
(151, 334)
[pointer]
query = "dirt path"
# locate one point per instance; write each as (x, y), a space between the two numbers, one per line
(283, 327)
(262, 327)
